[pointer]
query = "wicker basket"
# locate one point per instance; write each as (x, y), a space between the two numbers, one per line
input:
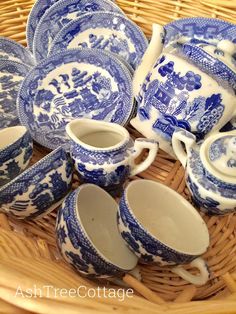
(28, 254)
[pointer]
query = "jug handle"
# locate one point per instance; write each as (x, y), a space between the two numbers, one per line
(197, 280)
(182, 136)
(139, 145)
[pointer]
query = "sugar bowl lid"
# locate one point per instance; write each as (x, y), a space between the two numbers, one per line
(218, 154)
(218, 61)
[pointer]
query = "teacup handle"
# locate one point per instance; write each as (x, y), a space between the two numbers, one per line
(197, 280)
(181, 135)
(139, 145)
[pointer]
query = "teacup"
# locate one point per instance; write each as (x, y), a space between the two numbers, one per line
(87, 234)
(40, 188)
(105, 154)
(16, 148)
(165, 230)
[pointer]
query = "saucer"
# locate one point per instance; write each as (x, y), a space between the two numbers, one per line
(76, 83)
(103, 30)
(13, 51)
(200, 28)
(60, 14)
(37, 11)
(12, 74)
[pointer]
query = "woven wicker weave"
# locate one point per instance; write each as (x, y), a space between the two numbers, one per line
(28, 254)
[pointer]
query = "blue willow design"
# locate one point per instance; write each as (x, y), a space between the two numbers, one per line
(74, 93)
(82, 254)
(11, 75)
(103, 178)
(208, 29)
(60, 14)
(219, 148)
(38, 10)
(9, 163)
(171, 100)
(11, 50)
(143, 244)
(208, 181)
(128, 42)
(206, 204)
(46, 182)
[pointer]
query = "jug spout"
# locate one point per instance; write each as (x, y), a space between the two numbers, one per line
(150, 56)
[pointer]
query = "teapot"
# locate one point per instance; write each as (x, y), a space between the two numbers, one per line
(190, 85)
(210, 169)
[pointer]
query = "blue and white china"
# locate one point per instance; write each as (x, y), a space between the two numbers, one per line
(60, 14)
(87, 234)
(103, 30)
(12, 74)
(199, 29)
(163, 230)
(217, 61)
(182, 88)
(76, 83)
(36, 13)
(105, 154)
(40, 188)
(11, 50)
(210, 170)
(16, 148)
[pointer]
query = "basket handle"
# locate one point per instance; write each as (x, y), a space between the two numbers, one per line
(197, 280)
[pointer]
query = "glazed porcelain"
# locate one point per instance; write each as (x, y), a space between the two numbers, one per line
(16, 148)
(191, 87)
(198, 29)
(210, 169)
(103, 30)
(12, 74)
(39, 189)
(11, 50)
(60, 14)
(75, 83)
(105, 154)
(87, 234)
(164, 230)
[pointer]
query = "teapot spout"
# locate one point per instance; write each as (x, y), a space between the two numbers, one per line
(150, 56)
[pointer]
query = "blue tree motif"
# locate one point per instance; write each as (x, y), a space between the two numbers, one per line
(77, 261)
(61, 233)
(38, 189)
(213, 112)
(42, 202)
(59, 186)
(131, 241)
(13, 169)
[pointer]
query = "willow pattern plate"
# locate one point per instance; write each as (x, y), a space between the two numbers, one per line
(103, 30)
(60, 14)
(76, 83)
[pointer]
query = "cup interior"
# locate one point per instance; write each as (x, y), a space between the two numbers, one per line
(97, 134)
(97, 212)
(167, 217)
(10, 135)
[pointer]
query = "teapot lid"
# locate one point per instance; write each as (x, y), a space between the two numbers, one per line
(218, 154)
(218, 61)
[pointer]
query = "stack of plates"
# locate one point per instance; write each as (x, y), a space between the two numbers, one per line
(86, 52)
(15, 62)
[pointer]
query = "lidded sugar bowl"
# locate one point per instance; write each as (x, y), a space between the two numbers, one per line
(210, 169)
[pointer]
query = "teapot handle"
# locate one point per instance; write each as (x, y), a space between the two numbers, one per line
(181, 135)
(139, 145)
